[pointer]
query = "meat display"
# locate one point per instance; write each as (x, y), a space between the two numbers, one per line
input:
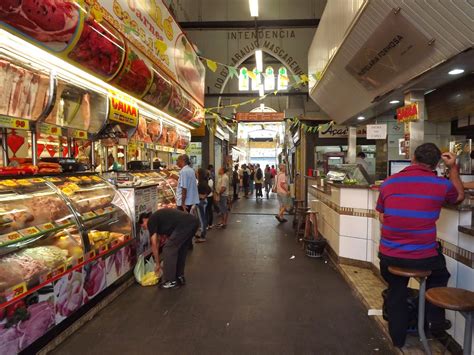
(135, 76)
(46, 21)
(24, 93)
(47, 208)
(154, 130)
(160, 90)
(141, 134)
(100, 48)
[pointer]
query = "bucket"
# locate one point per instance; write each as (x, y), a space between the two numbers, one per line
(315, 247)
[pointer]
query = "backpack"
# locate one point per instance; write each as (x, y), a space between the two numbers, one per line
(259, 174)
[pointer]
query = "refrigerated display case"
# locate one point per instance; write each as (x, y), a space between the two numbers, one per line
(63, 241)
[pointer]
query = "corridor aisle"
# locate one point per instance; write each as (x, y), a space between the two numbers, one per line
(244, 296)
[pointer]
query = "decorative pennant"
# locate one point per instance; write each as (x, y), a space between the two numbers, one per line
(188, 57)
(296, 78)
(304, 78)
(252, 75)
(211, 65)
(233, 72)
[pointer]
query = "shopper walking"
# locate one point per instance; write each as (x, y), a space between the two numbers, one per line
(268, 180)
(180, 228)
(283, 193)
(210, 203)
(186, 192)
(258, 182)
(245, 180)
(252, 178)
(409, 205)
(236, 182)
(203, 190)
(222, 193)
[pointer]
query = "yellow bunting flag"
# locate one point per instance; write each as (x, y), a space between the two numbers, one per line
(304, 78)
(252, 75)
(211, 65)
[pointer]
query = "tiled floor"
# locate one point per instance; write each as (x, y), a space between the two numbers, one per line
(246, 294)
(369, 288)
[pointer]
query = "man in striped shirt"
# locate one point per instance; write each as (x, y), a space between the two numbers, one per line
(409, 205)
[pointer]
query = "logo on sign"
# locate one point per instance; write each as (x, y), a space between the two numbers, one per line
(408, 113)
(123, 112)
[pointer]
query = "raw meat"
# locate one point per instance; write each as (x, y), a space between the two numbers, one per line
(9, 340)
(47, 208)
(30, 97)
(100, 48)
(136, 75)
(10, 276)
(49, 256)
(44, 20)
(20, 100)
(26, 265)
(41, 97)
(16, 76)
(41, 318)
(6, 87)
(154, 130)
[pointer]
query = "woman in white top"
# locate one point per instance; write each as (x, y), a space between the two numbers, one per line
(210, 203)
(283, 193)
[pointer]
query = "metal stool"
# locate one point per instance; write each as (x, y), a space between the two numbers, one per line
(456, 299)
(420, 276)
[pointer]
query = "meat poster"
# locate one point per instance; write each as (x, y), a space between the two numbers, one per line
(24, 321)
(149, 26)
(69, 294)
(117, 264)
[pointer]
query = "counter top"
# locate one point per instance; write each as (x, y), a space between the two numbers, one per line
(459, 207)
(346, 186)
(467, 229)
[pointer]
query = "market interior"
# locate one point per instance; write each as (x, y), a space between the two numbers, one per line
(102, 101)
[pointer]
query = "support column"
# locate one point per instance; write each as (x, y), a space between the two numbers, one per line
(415, 131)
(352, 145)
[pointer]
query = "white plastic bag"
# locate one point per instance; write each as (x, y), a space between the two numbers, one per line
(139, 269)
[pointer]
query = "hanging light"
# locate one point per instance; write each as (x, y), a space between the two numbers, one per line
(253, 4)
(259, 60)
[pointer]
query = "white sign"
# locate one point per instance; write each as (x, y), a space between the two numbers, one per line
(335, 131)
(376, 131)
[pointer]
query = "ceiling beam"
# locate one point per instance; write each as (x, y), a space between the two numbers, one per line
(218, 25)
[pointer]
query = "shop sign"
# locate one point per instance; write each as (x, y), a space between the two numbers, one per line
(14, 123)
(395, 46)
(408, 113)
(78, 134)
(376, 131)
(259, 116)
(50, 130)
(336, 131)
(122, 111)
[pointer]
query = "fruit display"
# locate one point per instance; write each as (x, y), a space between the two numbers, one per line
(100, 48)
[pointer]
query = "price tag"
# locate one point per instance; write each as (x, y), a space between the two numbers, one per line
(103, 248)
(79, 134)
(50, 130)
(96, 178)
(100, 212)
(17, 291)
(109, 209)
(60, 270)
(13, 236)
(127, 237)
(24, 182)
(46, 227)
(74, 179)
(114, 243)
(15, 123)
(10, 183)
(37, 180)
(80, 260)
(28, 232)
(64, 222)
(91, 254)
(88, 215)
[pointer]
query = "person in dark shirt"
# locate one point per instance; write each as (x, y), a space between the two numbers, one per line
(180, 227)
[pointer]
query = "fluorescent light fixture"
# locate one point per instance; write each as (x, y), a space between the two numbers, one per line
(261, 91)
(361, 118)
(456, 71)
(253, 4)
(393, 102)
(259, 60)
(24, 51)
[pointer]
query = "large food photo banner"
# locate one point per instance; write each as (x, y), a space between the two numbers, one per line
(135, 45)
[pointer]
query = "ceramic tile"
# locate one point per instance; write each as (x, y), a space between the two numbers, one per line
(465, 277)
(447, 226)
(352, 226)
(452, 266)
(355, 198)
(353, 248)
(466, 241)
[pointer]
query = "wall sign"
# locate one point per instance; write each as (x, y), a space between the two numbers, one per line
(259, 116)
(395, 46)
(335, 131)
(376, 131)
(122, 111)
(408, 113)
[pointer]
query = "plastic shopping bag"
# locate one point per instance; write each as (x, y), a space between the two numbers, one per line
(139, 269)
(145, 272)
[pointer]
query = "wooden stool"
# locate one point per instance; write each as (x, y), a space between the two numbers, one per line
(300, 216)
(421, 276)
(297, 205)
(456, 299)
(310, 230)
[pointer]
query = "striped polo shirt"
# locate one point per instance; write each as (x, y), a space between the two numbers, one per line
(411, 202)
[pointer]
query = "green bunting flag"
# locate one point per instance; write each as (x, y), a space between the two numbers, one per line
(232, 72)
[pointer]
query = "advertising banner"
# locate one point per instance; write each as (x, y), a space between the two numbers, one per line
(335, 131)
(259, 116)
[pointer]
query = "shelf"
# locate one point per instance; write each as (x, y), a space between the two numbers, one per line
(34, 232)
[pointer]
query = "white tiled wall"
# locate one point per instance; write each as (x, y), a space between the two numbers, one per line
(353, 226)
(353, 248)
(355, 198)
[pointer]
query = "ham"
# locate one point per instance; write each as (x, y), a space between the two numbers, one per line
(16, 77)
(6, 87)
(21, 101)
(31, 97)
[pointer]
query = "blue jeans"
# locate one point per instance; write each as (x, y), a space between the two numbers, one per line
(203, 217)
